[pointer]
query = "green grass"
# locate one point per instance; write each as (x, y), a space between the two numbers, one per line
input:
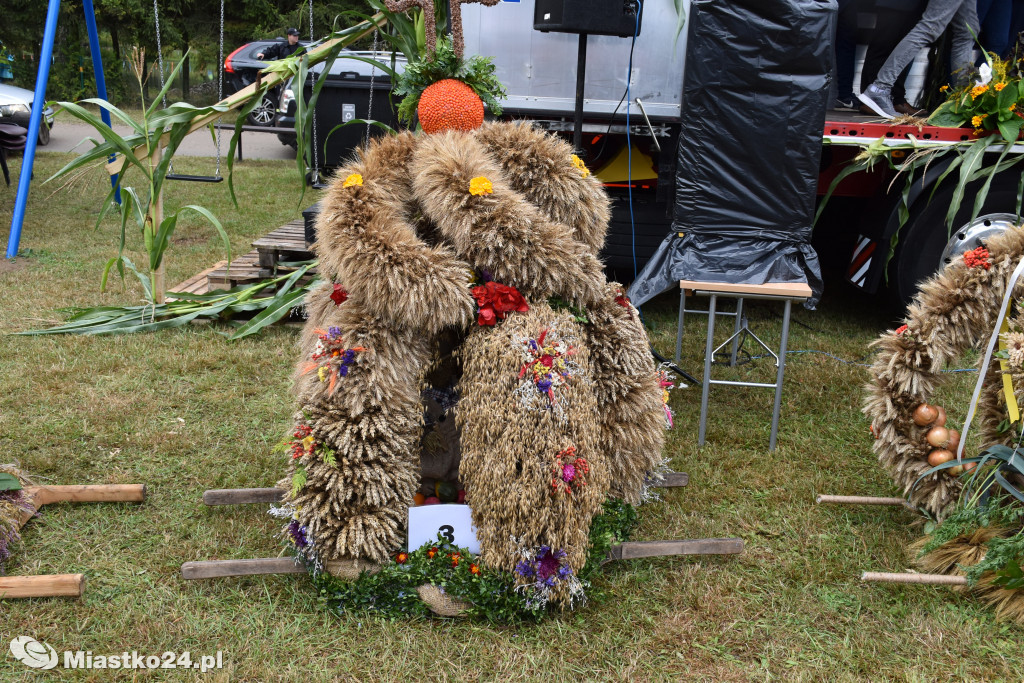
(183, 411)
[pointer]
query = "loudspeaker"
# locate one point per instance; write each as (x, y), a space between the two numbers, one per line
(600, 17)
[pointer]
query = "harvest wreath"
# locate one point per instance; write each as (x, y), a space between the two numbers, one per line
(478, 356)
(975, 535)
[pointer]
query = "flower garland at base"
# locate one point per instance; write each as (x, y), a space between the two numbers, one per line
(493, 595)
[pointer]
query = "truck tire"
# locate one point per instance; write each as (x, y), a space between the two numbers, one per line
(924, 244)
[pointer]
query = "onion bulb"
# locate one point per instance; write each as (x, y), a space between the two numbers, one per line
(940, 419)
(955, 471)
(968, 466)
(939, 456)
(954, 439)
(925, 414)
(938, 437)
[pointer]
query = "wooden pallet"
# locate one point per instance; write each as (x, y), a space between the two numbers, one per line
(244, 270)
(287, 243)
(198, 283)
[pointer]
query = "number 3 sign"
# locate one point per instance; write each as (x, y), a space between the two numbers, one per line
(453, 522)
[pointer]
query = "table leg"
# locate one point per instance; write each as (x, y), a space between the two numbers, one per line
(709, 349)
(778, 376)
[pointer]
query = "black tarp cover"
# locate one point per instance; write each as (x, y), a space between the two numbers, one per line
(754, 98)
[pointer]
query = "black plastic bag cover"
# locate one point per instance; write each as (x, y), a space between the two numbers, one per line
(754, 100)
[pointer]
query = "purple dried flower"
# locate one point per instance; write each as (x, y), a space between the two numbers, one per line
(334, 332)
(343, 371)
(297, 532)
(568, 472)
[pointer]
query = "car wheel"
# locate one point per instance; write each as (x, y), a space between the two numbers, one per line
(263, 114)
(44, 134)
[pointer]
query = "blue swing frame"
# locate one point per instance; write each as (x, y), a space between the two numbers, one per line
(39, 101)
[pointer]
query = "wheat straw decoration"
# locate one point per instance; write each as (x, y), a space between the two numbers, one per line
(954, 311)
(397, 316)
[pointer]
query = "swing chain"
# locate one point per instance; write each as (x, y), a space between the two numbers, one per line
(220, 78)
(159, 50)
(373, 76)
(316, 157)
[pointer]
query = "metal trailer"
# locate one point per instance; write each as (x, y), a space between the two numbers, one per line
(539, 69)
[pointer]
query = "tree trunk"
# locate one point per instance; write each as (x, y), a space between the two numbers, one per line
(185, 68)
(115, 42)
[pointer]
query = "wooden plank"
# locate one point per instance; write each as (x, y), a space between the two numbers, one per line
(671, 480)
(198, 283)
(794, 290)
(242, 496)
(98, 493)
(46, 586)
(215, 569)
(863, 500)
(632, 550)
(928, 579)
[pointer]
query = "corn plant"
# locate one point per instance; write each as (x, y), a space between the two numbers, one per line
(148, 150)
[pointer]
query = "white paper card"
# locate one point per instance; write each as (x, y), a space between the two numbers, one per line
(453, 522)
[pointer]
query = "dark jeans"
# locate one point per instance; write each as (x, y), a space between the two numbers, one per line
(995, 17)
(846, 47)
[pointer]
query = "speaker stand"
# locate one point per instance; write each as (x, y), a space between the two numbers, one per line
(581, 77)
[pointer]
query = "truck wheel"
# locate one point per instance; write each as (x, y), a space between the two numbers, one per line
(924, 245)
(263, 114)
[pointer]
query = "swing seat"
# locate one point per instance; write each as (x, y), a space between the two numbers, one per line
(195, 178)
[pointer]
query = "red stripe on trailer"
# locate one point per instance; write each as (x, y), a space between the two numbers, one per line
(856, 129)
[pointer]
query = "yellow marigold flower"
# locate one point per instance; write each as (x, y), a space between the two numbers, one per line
(978, 90)
(578, 163)
(480, 185)
(1012, 107)
(1000, 86)
(353, 180)
(976, 121)
(944, 88)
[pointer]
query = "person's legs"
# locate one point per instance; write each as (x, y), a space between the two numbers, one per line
(845, 50)
(994, 17)
(891, 26)
(937, 15)
(964, 23)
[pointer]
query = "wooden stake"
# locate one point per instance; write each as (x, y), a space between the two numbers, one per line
(931, 579)
(671, 480)
(704, 546)
(80, 493)
(47, 586)
(214, 569)
(242, 496)
(158, 218)
(864, 500)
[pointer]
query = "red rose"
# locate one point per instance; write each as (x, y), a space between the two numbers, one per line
(486, 316)
(339, 295)
(508, 299)
(483, 295)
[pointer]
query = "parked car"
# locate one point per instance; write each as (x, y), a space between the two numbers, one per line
(16, 108)
(240, 69)
(346, 95)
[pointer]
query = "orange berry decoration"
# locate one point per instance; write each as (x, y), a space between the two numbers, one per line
(450, 105)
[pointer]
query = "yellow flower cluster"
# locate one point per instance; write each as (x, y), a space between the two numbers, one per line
(578, 163)
(480, 185)
(977, 120)
(353, 180)
(999, 86)
(978, 90)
